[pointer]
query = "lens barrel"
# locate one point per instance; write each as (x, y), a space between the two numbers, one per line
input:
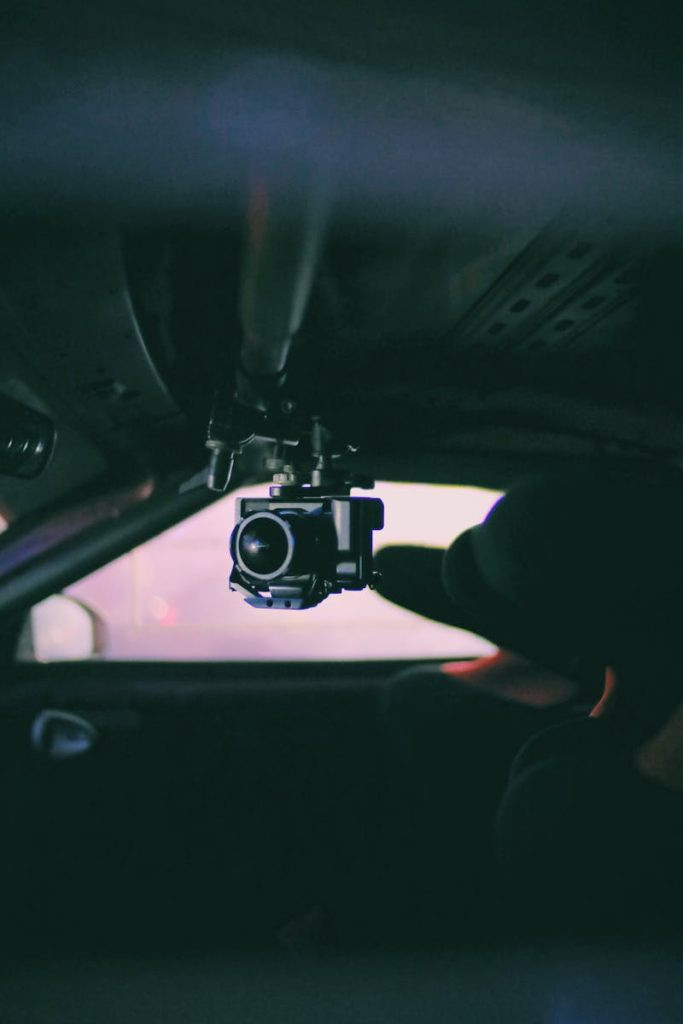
(267, 545)
(263, 545)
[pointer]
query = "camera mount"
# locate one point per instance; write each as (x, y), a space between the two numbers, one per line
(310, 538)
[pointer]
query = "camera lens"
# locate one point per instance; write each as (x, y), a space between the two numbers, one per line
(263, 545)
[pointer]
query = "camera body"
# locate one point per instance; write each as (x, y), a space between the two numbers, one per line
(294, 551)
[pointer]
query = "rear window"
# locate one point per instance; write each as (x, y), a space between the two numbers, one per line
(169, 598)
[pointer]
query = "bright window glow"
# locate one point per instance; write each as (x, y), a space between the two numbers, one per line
(169, 599)
(62, 630)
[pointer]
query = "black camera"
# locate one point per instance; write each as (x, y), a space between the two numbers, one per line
(293, 553)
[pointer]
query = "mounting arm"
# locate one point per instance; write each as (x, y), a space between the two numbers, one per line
(284, 239)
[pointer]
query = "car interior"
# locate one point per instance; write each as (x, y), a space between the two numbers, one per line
(341, 453)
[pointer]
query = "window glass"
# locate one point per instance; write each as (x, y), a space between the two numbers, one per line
(169, 598)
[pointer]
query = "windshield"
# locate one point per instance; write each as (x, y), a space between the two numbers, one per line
(169, 599)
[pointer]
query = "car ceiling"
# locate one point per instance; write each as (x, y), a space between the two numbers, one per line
(498, 286)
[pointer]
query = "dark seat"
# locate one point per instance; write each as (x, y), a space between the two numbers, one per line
(576, 574)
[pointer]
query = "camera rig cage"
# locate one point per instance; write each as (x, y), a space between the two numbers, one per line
(310, 538)
(294, 552)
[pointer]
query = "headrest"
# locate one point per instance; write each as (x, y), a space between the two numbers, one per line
(593, 566)
(570, 572)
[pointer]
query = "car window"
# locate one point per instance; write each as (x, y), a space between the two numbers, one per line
(169, 599)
